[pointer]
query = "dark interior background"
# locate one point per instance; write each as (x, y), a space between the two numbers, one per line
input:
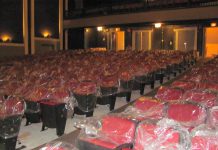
(45, 19)
(11, 16)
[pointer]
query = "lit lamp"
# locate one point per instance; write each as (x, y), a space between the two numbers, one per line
(87, 30)
(213, 24)
(99, 28)
(157, 25)
(6, 38)
(46, 34)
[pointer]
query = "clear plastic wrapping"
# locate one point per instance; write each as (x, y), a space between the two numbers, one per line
(187, 114)
(11, 112)
(213, 117)
(86, 96)
(111, 132)
(205, 97)
(144, 108)
(169, 94)
(204, 137)
(185, 85)
(164, 134)
(58, 145)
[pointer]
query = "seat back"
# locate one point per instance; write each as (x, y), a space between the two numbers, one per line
(185, 85)
(188, 114)
(206, 98)
(117, 129)
(169, 94)
(213, 117)
(204, 137)
(166, 135)
(149, 107)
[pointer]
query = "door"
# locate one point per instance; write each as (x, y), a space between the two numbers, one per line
(141, 40)
(186, 38)
(211, 42)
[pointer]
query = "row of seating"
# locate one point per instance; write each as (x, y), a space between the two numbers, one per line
(183, 115)
(126, 131)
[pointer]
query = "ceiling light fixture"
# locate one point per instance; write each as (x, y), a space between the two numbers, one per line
(213, 24)
(100, 28)
(157, 25)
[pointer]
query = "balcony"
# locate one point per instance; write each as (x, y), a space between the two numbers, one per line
(136, 6)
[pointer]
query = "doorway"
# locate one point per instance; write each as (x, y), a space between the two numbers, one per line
(142, 40)
(211, 42)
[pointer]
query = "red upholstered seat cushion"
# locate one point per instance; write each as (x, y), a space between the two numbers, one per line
(169, 94)
(187, 114)
(204, 143)
(12, 106)
(154, 107)
(209, 99)
(214, 116)
(184, 85)
(147, 135)
(209, 85)
(50, 102)
(115, 131)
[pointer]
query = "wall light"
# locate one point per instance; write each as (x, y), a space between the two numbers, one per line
(46, 34)
(157, 25)
(213, 24)
(6, 38)
(117, 29)
(86, 30)
(99, 28)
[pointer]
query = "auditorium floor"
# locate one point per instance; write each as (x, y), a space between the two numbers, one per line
(31, 136)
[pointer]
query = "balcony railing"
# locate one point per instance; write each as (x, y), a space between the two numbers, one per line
(137, 6)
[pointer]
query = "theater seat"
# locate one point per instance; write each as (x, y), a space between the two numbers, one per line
(204, 138)
(164, 134)
(213, 117)
(185, 85)
(169, 94)
(186, 113)
(209, 86)
(204, 97)
(149, 108)
(115, 133)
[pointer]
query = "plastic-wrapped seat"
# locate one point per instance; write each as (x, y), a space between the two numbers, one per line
(85, 95)
(11, 112)
(144, 108)
(185, 85)
(186, 113)
(204, 137)
(204, 97)
(54, 110)
(213, 117)
(169, 94)
(164, 134)
(209, 86)
(114, 132)
(108, 91)
(59, 145)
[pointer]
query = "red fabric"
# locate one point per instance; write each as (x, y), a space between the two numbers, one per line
(116, 131)
(207, 98)
(85, 88)
(169, 94)
(12, 106)
(146, 135)
(209, 85)
(49, 102)
(147, 104)
(184, 85)
(185, 112)
(204, 143)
